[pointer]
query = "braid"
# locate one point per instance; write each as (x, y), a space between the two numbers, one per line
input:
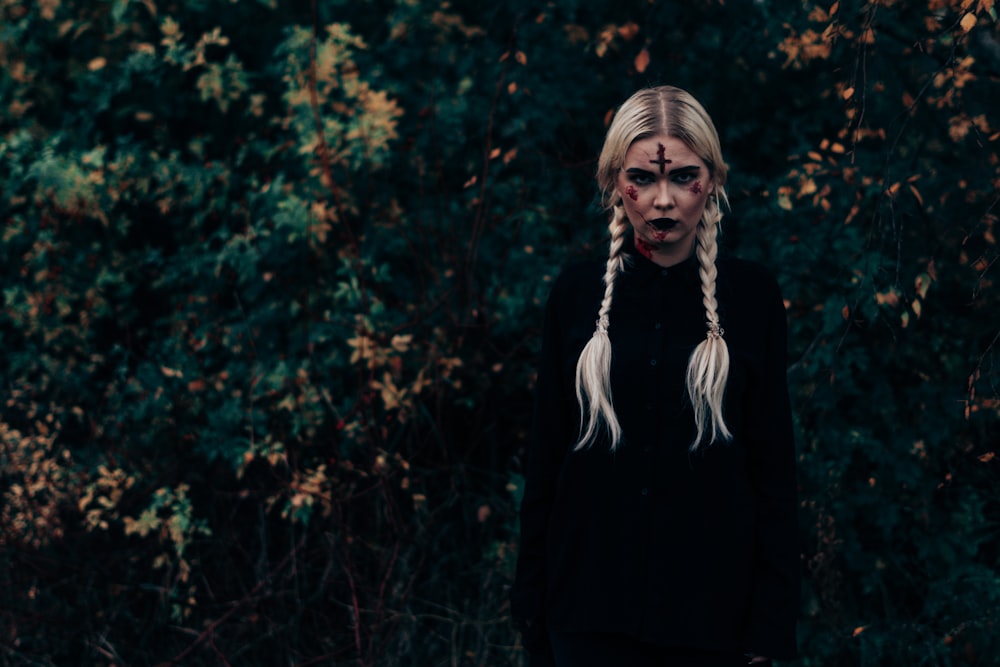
(708, 368)
(593, 369)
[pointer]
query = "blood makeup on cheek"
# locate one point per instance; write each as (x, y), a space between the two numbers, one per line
(632, 193)
(695, 188)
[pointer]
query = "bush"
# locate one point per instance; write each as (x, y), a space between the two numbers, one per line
(272, 289)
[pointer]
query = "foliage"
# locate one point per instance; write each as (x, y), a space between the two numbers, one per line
(272, 283)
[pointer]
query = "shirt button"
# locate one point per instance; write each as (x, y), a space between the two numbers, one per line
(645, 491)
(658, 326)
(647, 449)
(664, 272)
(652, 362)
(649, 407)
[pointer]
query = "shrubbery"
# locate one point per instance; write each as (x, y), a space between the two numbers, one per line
(273, 275)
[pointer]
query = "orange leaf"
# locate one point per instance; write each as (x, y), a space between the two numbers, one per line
(629, 30)
(922, 283)
(642, 61)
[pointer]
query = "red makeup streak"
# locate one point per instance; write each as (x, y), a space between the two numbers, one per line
(661, 159)
(632, 193)
(645, 249)
(695, 188)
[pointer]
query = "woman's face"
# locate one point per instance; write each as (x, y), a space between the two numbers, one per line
(664, 187)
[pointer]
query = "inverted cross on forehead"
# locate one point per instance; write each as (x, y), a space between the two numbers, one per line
(661, 159)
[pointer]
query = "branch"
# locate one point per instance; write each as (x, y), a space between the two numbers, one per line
(249, 598)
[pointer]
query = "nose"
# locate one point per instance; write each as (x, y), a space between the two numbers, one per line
(664, 198)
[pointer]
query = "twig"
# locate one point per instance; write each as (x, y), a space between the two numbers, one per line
(208, 632)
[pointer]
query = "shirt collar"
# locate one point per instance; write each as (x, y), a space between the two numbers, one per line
(642, 270)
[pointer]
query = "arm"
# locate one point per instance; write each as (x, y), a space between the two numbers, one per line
(775, 594)
(546, 448)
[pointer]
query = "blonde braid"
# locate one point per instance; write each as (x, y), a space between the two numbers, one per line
(593, 368)
(708, 368)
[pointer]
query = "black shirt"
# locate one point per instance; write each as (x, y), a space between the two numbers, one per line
(689, 549)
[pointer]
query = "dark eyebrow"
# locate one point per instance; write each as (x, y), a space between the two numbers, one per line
(693, 168)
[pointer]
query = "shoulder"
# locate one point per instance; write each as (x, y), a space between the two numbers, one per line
(576, 292)
(582, 277)
(580, 273)
(746, 278)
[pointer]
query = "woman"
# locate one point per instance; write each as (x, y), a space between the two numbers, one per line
(658, 522)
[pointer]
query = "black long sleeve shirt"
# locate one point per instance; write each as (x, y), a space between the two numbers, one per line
(688, 549)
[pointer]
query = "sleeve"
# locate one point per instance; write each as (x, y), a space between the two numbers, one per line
(547, 445)
(776, 579)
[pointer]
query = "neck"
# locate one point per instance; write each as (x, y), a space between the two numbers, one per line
(664, 256)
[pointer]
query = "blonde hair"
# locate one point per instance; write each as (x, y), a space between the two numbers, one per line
(674, 112)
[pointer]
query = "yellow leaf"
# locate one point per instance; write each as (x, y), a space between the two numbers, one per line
(849, 93)
(521, 58)
(968, 22)
(987, 457)
(495, 153)
(402, 343)
(784, 201)
(391, 394)
(916, 307)
(642, 61)
(858, 630)
(96, 64)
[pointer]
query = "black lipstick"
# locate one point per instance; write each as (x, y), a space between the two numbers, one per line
(662, 224)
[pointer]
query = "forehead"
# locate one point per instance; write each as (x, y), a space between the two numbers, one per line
(647, 149)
